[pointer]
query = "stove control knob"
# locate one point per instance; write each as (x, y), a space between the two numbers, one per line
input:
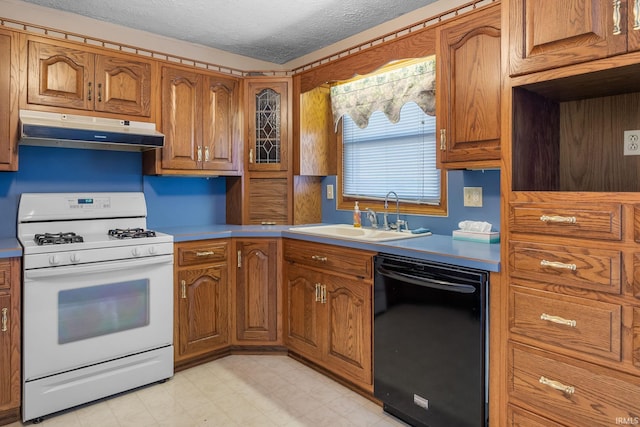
(54, 260)
(136, 252)
(75, 258)
(153, 250)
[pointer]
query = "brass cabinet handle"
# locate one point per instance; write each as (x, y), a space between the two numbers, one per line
(205, 253)
(636, 14)
(99, 92)
(323, 298)
(616, 17)
(268, 223)
(199, 153)
(557, 385)
(5, 319)
(559, 320)
(555, 264)
(183, 289)
(206, 154)
(319, 258)
(318, 292)
(251, 155)
(89, 92)
(239, 259)
(559, 219)
(443, 139)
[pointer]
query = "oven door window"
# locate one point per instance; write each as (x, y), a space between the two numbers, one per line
(100, 310)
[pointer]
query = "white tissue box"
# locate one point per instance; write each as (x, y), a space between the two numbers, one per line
(477, 236)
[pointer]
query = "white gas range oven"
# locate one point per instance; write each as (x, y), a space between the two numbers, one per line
(97, 299)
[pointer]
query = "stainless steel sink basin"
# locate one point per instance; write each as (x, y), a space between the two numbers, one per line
(348, 231)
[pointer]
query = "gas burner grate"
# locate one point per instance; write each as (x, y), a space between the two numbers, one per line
(131, 233)
(57, 238)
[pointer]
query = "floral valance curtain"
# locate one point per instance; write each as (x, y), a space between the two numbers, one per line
(387, 92)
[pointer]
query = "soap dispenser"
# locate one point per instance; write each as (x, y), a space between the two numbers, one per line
(356, 216)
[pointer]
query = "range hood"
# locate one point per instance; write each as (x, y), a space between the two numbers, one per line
(71, 131)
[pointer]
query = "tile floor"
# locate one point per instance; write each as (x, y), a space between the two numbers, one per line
(239, 390)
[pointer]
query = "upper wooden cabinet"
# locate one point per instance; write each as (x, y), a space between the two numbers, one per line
(468, 91)
(8, 101)
(199, 121)
(70, 78)
(269, 122)
(547, 34)
(316, 135)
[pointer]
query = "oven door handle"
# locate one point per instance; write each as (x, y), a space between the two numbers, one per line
(427, 282)
(97, 267)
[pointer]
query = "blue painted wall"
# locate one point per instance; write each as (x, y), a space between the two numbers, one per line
(490, 211)
(178, 201)
(171, 201)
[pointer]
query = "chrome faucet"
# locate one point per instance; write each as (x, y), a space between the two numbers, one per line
(371, 216)
(387, 226)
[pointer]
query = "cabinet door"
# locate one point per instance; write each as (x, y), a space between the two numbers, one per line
(202, 299)
(257, 290)
(348, 324)
(10, 336)
(469, 86)
(546, 34)
(8, 101)
(219, 134)
(181, 118)
(268, 119)
(303, 306)
(269, 200)
(7, 362)
(60, 77)
(122, 86)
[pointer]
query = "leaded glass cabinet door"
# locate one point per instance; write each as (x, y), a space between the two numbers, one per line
(268, 125)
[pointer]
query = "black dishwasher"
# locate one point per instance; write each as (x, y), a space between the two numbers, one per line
(429, 341)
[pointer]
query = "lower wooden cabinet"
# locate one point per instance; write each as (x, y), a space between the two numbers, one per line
(201, 299)
(10, 375)
(258, 306)
(328, 314)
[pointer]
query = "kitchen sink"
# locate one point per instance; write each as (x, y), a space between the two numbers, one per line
(348, 231)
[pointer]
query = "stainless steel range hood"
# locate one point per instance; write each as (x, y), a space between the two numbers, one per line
(71, 131)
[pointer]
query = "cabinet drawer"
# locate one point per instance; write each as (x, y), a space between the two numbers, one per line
(5, 275)
(575, 394)
(333, 258)
(594, 269)
(585, 221)
(580, 324)
(201, 253)
(520, 418)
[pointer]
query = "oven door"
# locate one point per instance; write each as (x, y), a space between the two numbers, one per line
(85, 314)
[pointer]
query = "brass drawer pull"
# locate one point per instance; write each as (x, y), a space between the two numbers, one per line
(323, 294)
(559, 320)
(318, 292)
(555, 264)
(616, 17)
(206, 253)
(183, 289)
(567, 389)
(268, 223)
(319, 258)
(5, 319)
(558, 219)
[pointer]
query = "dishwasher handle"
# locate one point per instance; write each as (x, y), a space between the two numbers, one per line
(427, 282)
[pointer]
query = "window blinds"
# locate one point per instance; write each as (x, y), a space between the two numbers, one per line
(398, 157)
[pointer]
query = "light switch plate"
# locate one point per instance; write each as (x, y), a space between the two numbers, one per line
(329, 191)
(473, 197)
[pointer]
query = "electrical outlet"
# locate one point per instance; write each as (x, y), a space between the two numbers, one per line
(473, 196)
(632, 142)
(329, 191)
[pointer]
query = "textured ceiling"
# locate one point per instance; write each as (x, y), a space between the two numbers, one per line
(277, 31)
